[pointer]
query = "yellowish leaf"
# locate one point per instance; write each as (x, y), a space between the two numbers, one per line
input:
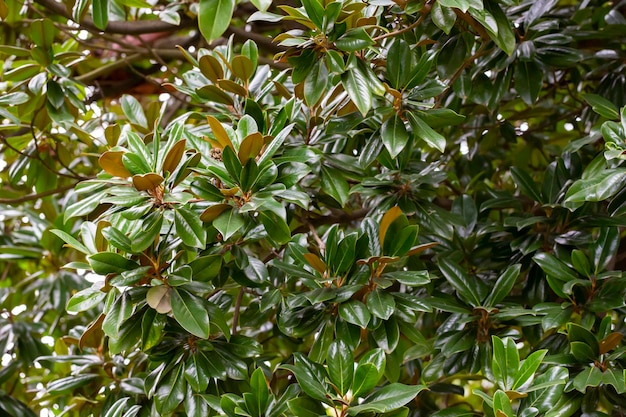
(315, 262)
(173, 157)
(111, 162)
(392, 214)
(147, 182)
(220, 133)
(211, 213)
(250, 147)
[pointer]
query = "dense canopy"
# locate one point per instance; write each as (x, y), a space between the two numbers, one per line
(319, 208)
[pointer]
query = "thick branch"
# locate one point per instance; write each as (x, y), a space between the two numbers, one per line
(31, 197)
(137, 27)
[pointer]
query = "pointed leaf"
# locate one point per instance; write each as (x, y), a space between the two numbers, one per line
(190, 312)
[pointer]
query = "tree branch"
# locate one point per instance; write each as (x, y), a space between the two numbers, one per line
(31, 197)
(137, 27)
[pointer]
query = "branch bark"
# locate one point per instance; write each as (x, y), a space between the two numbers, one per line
(137, 27)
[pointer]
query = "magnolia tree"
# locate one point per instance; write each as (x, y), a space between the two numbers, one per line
(326, 208)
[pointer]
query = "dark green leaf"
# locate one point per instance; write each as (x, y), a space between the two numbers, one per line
(190, 312)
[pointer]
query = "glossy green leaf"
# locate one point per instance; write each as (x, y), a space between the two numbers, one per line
(461, 281)
(276, 227)
(190, 312)
(335, 185)
(502, 405)
(228, 223)
(214, 17)
(340, 364)
(357, 85)
(503, 285)
(381, 304)
(104, 263)
(602, 106)
(528, 368)
(505, 361)
(426, 133)
(368, 372)
(355, 312)
(528, 80)
(394, 135)
(463, 5)
(388, 398)
(354, 40)
(554, 267)
(311, 377)
(189, 227)
(85, 300)
(171, 391)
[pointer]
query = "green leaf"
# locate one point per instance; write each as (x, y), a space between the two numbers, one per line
(190, 312)
(100, 12)
(70, 383)
(368, 372)
(409, 278)
(528, 80)
(465, 286)
(443, 17)
(315, 12)
(214, 16)
(119, 312)
(133, 110)
(426, 133)
(526, 184)
(502, 404)
(259, 391)
(355, 312)
(311, 377)
(354, 40)
(381, 304)
(13, 99)
(394, 135)
(104, 263)
(357, 85)
(276, 227)
(335, 185)
(171, 391)
(196, 373)
(554, 267)
(228, 223)
(589, 377)
(118, 408)
(71, 241)
(398, 57)
(602, 106)
(528, 368)
(388, 398)
(189, 227)
(340, 366)
(463, 5)
(315, 83)
(85, 299)
(505, 361)
(605, 248)
(503, 285)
